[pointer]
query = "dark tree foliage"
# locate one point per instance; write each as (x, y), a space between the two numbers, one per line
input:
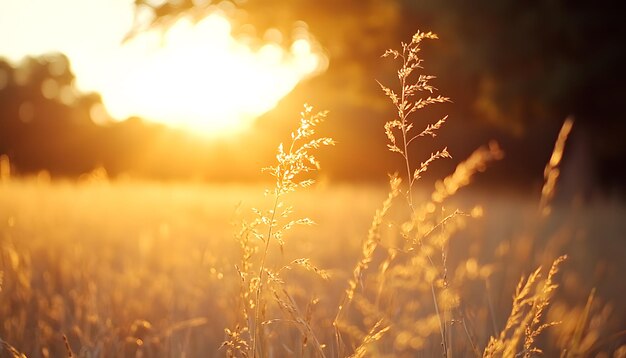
(37, 128)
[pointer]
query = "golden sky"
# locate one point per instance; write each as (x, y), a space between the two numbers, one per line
(192, 73)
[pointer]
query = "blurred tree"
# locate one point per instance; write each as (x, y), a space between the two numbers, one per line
(527, 65)
(39, 117)
(47, 124)
(533, 59)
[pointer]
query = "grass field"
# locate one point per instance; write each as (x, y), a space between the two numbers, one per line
(119, 267)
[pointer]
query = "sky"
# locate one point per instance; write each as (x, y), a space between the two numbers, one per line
(194, 74)
(87, 31)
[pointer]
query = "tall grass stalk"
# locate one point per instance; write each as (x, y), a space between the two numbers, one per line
(406, 105)
(293, 163)
(551, 172)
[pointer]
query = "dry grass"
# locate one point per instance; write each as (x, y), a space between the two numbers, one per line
(101, 268)
(271, 225)
(166, 255)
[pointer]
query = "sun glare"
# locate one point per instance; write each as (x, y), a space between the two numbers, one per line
(198, 76)
(195, 73)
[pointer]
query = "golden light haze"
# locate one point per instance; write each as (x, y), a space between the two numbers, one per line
(197, 75)
(190, 73)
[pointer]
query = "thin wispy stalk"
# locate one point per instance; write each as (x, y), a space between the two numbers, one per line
(293, 162)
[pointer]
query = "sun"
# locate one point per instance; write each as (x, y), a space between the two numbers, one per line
(197, 75)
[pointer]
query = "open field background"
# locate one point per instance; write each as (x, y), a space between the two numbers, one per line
(126, 268)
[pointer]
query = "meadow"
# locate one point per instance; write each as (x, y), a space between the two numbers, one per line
(110, 263)
(96, 267)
